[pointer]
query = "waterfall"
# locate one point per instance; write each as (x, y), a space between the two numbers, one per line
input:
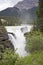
(18, 39)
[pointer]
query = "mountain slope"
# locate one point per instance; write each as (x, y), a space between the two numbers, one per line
(22, 16)
(27, 16)
(26, 4)
(14, 11)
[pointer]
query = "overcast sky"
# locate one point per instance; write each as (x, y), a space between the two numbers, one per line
(7, 3)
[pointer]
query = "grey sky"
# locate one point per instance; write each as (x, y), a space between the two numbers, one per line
(7, 3)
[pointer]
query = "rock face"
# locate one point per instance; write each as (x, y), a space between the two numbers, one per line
(4, 40)
(26, 4)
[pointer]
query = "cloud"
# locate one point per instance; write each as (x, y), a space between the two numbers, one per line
(7, 3)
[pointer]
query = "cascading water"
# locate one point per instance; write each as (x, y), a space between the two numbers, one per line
(18, 39)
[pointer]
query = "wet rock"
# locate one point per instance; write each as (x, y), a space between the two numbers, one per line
(4, 40)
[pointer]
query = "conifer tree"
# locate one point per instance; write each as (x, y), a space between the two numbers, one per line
(40, 15)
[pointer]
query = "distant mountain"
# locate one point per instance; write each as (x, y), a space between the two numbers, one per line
(22, 7)
(27, 16)
(31, 11)
(23, 12)
(26, 4)
(14, 11)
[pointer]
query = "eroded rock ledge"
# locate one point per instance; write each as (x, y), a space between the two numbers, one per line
(4, 40)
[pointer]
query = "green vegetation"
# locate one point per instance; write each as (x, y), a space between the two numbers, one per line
(10, 58)
(13, 21)
(34, 59)
(9, 20)
(40, 16)
(34, 41)
(34, 44)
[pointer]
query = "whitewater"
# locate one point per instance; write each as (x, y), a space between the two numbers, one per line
(17, 37)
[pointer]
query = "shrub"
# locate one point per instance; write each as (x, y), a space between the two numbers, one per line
(34, 41)
(33, 59)
(8, 58)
